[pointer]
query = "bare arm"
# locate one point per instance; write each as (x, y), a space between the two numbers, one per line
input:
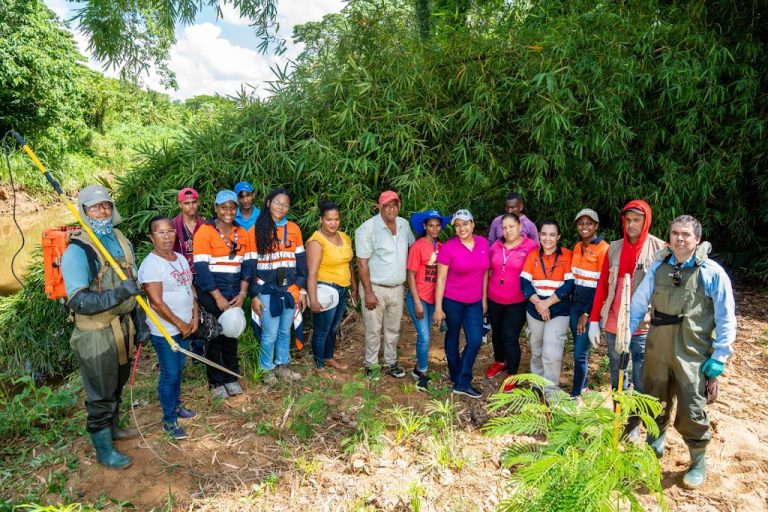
(154, 293)
(418, 308)
(314, 257)
(442, 274)
(370, 299)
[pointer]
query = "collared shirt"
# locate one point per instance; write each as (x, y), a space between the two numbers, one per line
(586, 269)
(248, 223)
(387, 254)
(466, 268)
(717, 286)
(544, 275)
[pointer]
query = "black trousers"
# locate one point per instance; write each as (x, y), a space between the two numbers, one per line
(221, 350)
(507, 321)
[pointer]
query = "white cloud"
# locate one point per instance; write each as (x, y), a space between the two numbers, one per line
(231, 14)
(206, 63)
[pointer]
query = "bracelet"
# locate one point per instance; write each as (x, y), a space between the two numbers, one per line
(302, 292)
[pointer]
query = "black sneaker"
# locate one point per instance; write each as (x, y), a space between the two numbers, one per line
(416, 374)
(468, 391)
(423, 383)
(395, 371)
(372, 373)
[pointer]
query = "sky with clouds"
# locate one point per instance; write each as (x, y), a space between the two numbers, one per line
(219, 56)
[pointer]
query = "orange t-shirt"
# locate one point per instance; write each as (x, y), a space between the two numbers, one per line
(422, 259)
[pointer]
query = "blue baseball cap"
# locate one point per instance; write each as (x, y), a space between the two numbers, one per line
(226, 195)
(243, 186)
(419, 218)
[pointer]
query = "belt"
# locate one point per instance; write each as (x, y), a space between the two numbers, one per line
(387, 285)
(660, 318)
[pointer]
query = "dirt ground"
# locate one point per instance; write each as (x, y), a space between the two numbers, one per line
(231, 463)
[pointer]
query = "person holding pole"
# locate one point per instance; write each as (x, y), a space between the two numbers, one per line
(693, 327)
(166, 277)
(631, 255)
(108, 324)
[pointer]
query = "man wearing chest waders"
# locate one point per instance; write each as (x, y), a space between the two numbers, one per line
(693, 326)
(107, 320)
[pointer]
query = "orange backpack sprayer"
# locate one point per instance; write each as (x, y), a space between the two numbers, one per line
(55, 242)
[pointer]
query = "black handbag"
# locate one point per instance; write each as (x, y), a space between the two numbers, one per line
(209, 326)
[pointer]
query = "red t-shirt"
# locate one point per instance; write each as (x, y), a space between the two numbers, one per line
(422, 259)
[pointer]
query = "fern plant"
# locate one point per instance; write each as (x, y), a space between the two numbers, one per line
(578, 466)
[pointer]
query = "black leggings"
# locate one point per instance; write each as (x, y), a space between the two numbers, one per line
(507, 321)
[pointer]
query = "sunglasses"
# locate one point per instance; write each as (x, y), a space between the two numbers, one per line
(233, 250)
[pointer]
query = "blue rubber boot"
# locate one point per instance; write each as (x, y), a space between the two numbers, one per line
(697, 473)
(105, 451)
(657, 443)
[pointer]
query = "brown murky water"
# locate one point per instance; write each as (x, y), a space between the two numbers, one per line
(33, 225)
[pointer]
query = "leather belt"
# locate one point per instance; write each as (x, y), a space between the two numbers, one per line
(387, 285)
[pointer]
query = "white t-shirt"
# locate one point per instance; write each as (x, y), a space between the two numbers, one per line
(176, 279)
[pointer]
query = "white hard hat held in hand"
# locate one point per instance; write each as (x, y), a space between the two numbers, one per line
(232, 322)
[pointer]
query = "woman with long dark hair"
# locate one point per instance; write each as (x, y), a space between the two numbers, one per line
(329, 258)
(279, 282)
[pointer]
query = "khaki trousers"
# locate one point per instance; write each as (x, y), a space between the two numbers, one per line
(547, 341)
(386, 317)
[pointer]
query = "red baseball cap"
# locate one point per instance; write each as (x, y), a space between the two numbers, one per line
(187, 193)
(388, 196)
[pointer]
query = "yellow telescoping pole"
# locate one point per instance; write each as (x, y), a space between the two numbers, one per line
(622, 346)
(103, 250)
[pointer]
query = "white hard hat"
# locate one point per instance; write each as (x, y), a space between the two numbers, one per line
(327, 296)
(232, 322)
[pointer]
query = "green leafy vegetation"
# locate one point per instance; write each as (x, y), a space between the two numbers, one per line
(577, 465)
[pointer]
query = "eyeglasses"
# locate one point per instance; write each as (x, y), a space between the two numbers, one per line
(170, 232)
(106, 206)
(280, 206)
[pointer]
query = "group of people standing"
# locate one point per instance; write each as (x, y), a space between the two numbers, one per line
(519, 275)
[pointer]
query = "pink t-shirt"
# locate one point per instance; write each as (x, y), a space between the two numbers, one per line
(506, 265)
(466, 269)
(422, 259)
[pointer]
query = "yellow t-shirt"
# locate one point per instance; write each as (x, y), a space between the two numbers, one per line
(334, 265)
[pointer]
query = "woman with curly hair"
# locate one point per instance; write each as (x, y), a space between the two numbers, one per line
(279, 282)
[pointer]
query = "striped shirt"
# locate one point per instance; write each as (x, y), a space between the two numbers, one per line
(586, 272)
(544, 275)
(285, 267)
(216, 265)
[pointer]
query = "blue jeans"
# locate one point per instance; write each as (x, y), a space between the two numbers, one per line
(169, 383)
(581, 346)
(469, 316)
(275, 336)
(637, 352)
(423, 327)
(325, 326)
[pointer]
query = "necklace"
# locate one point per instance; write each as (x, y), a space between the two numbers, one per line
(232, 246)
(178, 272)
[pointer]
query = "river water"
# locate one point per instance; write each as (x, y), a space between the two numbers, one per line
(33, 224)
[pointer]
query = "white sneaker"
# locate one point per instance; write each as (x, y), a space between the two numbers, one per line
(284, 372)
